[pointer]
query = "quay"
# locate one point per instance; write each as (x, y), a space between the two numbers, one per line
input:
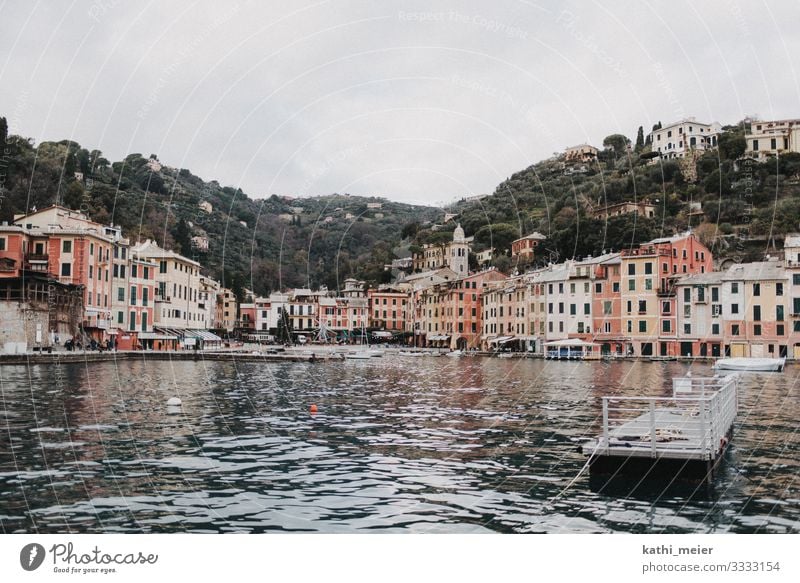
(666, 439)
(86, 357)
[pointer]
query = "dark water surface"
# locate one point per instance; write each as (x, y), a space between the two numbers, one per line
(414, 445)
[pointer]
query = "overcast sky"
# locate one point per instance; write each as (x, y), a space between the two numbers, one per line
(421, 102)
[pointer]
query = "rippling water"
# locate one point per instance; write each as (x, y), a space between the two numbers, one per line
(398, 445)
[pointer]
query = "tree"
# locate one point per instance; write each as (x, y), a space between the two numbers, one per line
(731, 145)
(617, 142)
(640, 139)
(183, 237)
(3, 131)
(409, 230)
(284, 327)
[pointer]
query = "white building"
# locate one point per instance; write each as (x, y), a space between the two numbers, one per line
(205, 206)
(770, 138)
(681, 138)
(178, 288)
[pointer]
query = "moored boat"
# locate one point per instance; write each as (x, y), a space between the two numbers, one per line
(751, 364)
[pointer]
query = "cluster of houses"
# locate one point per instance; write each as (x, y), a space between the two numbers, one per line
(67, 280)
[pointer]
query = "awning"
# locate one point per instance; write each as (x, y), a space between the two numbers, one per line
(573, 342)
(527, 338)
(155, 336)
(501, 339)
(381, 334)
(438, 337)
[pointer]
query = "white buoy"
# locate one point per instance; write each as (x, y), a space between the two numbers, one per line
(174, 402)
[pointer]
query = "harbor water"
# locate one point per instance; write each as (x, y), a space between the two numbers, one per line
(398, 444)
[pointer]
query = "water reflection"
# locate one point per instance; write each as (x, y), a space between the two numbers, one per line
(431, 445)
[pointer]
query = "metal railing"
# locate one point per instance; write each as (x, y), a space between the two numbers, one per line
(695, 420)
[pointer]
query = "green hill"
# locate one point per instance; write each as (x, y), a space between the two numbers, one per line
(262, 244)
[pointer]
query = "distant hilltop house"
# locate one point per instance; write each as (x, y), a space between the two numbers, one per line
(200, 242)
(286, 217)
(449, 217)
(484, 257)
(770, 138)
(374, 205)
(643, 208)
(402, 264)
(684, 137)
(328, 219)
(581, 153)
(378, 215)
(348, 216)
(297, 210)
(154, 165)
(205, 206)
(526, 245)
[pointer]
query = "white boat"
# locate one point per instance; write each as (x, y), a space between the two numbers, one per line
(751, 364)
(455, 353)
(504, 355)
(375, 353)
(410, 353)
(358, 355)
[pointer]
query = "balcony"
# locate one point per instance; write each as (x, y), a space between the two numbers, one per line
(667, 291)
(37, 257)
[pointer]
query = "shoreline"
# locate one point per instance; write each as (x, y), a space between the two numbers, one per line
(318, 354)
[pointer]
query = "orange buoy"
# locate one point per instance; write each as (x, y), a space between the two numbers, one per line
(312, 408)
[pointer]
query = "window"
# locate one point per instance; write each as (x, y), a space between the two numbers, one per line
(144, 296)
(796, 278)
(2, 243)
(714, 294)
(91, 272)
(756, 313)
(572, 310)
(665, 326)
(756, 289)
(779, 313)
(780, 329)
(631, 269)
(648, 268)
(162, 267)
(144, 321)
(734, 308)
(598, 288)
(120, 294)
(134, 270)
(133, 295)
(648, 284)
(642, 306)
(630, 326)
(735, 330)
(687, 328)
(615, 287)
(735, 287)
(120, 318)
(132, 325)
(66, 246)
(757, 330)
(716, 310)
(631, 285)
(665, 309)
(586, 309)
(560, 308)
(66, 269)
(607, 308)
(643, 326)
(715, 329)
(572, 288)
(629, 306)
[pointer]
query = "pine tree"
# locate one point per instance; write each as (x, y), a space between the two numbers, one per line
(183, 237)
(284, 327)
(640, 139)
(3, 131)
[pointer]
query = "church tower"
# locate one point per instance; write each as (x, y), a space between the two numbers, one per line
(458, 252)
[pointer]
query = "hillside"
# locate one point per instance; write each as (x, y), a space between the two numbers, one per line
(262, 244)
(736, 206)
